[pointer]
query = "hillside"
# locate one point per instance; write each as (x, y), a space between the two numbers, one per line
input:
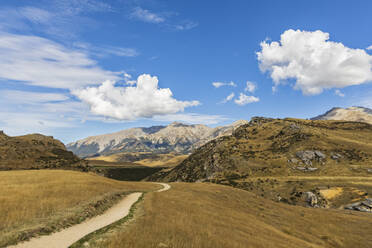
(275, 147)
(176, 137)
(360, 114)
(209, 215)
(38, 202)
(35, 151)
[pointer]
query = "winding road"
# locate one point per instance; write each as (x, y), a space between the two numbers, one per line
(69, 236)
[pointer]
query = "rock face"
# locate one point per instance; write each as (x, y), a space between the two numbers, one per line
(176, 137)
(359, 114)
(35, 151)
(273, 147)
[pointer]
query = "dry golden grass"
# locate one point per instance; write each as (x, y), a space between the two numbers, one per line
(151, 160)
(34, 199)
(208, 215)
(164, 160)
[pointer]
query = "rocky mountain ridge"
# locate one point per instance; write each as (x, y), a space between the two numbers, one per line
(176, 137)
(360, 114)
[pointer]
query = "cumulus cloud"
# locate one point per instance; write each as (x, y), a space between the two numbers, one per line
(250, 87)
(314, 62)
(220, 84)
(339, 93)
(244, 99)
(146, 15)
(228, 98)
(144, 100)
(42, 62)
(369, 48)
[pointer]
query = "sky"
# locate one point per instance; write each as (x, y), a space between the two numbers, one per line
(77, 68)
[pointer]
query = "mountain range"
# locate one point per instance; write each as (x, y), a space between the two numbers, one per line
(179, 138)
(176, 137)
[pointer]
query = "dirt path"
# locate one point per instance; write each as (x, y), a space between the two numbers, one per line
(70, 235)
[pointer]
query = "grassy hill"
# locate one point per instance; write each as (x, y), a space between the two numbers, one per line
(210, 215)
(35, 151)
(276, 147)
(37, 202)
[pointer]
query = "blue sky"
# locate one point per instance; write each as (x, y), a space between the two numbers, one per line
(75, 68)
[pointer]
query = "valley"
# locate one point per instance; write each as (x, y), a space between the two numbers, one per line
(270, 182)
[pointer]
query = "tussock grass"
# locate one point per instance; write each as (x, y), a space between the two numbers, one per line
(208, 215)
(40, 201)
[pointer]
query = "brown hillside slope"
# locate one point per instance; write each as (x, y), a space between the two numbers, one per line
(276, 147)
(210, 215)
(35, 151)
(38, 202)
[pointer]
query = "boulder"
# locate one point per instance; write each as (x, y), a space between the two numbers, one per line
(311, 199)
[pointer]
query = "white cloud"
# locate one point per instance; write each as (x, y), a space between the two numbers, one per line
(228, 98)
(102, 51)
(369, 48)
(339, 93)
(220, 84)
(36, 15)
(144, 100)
(42, 62)
(186, 25)
(244, 99)
(146, 15)
(314, 62)
(250, 87)
(27, 97)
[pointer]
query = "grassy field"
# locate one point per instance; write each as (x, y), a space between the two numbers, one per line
(209, 215)
(41, 201)
(142, 158)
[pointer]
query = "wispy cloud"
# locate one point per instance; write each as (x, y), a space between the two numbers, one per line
(250, 87)
(186, 25)
(339, 93)
(228, 98)
(220, 84)
(102, 51)
(39, 61)
(165, 19)
(27, 97)
(369, 48)
(145, 15)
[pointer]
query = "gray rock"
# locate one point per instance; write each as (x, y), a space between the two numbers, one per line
(336, 156)
(306, 169)
(369, 170)
(311, 199)
(320, 155)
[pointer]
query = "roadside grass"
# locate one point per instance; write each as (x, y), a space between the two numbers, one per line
(209, 215)
(36, 202)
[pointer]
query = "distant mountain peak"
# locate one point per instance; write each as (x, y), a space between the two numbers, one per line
(355, 113)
